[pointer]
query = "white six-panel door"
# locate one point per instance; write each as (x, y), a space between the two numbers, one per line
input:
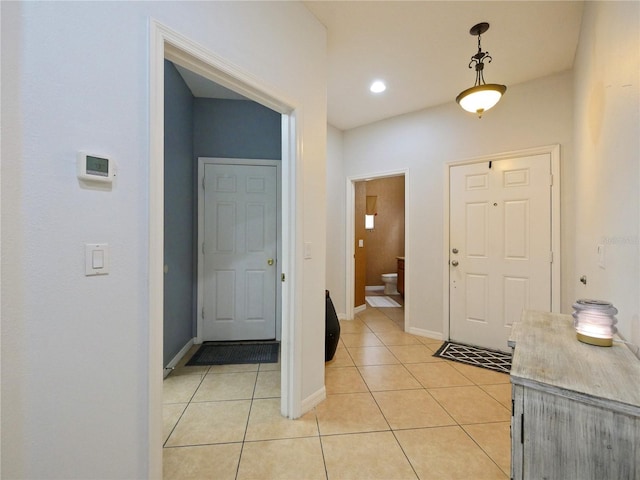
(239, 252)
(500, 247)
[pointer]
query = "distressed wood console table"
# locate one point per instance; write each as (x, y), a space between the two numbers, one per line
(576, 407)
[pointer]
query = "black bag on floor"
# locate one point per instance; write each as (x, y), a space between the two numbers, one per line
(332, 326)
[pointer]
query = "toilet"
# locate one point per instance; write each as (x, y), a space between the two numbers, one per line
(390, 283)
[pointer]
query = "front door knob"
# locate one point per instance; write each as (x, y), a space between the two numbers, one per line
(454, 263)
(270, 261)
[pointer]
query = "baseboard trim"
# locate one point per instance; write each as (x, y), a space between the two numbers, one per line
(175, 360)
(342, 316)
(313, 400)
(359, 309)
(425, 333)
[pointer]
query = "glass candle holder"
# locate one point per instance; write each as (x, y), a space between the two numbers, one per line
(594, 321)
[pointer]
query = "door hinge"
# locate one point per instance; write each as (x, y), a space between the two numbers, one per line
(550, 257)
(202, 313)
(203, 248)
(551, 180)
(522, 428)
(282, 277)
(203, 183)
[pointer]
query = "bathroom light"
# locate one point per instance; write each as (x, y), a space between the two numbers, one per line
(378, 86)
(369, 222)
(482, 96)
(594, 322)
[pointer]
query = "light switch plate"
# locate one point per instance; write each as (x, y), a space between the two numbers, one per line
(96, 259)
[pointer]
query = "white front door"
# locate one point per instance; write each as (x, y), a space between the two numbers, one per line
(239, 252)
(500, 247)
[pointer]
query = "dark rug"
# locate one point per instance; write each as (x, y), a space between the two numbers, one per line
(228, 353)
(476, 356)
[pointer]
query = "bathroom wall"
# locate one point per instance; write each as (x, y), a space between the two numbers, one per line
(386, 241)
(360, 260)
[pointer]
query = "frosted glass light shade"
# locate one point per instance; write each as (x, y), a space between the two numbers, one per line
(378, 87)
(481, 98)
(368, 222)
(594, 321)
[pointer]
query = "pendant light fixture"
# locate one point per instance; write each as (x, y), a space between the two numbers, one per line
(482, 96)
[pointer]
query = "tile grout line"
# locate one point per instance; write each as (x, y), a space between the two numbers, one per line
(482, 449)
(393, 432)
(324, 459)
(457, 423)
(246, 427)
(185, 409)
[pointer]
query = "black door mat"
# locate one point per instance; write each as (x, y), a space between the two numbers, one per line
(229, 353)
(476, 356)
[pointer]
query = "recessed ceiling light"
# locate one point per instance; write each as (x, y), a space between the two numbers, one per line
(378, 86)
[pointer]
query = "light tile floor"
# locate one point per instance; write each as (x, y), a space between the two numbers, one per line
(393, 411)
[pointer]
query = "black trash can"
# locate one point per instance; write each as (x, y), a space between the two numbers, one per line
(332, 326)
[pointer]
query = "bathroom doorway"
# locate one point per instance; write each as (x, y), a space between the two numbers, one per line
(376, 224)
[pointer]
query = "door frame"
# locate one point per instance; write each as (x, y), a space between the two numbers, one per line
(350, 239)
(202, 161)
(165, 43)
(554, 152)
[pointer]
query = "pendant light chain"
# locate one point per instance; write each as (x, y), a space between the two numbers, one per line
(482, 96)
(477, 60)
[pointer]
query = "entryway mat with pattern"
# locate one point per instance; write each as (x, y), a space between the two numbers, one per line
(229, 353)
(477, 356)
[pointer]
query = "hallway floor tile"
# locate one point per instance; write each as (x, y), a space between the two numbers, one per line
(393, 411)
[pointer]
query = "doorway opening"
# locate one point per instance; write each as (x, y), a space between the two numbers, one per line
(205, 122)
(166, 44)
(380, 197)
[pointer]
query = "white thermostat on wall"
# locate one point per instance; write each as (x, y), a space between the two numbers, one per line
(95, 168)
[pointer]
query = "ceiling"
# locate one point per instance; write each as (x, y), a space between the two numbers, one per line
(422, 49)
(204, 88)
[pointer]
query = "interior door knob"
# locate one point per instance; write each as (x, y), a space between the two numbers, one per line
(270, 261)
(454, 263)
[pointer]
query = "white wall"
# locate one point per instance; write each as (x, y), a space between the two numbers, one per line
(75, 349)
(336, 200)
(530, 115)
(607, 139)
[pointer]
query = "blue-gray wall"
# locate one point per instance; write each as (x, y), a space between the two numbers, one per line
(236, 129)
(179, 202)
(199, 127)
